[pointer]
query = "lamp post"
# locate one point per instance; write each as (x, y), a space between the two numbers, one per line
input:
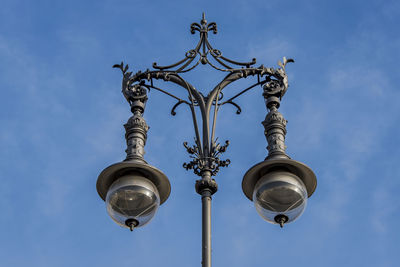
(279, 186)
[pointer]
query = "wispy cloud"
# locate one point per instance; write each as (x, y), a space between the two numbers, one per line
(271, 50)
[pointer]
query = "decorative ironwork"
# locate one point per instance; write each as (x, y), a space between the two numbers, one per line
(136, 134)
(211, 163)
(275, 131)
(206, 152)
(275, 123)
(279, 86)
(202, 50)
(136, 128)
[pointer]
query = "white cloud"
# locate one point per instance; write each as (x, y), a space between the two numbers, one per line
(270, 50)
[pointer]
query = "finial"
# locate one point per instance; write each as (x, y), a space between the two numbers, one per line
(203, 20)
(131, 223)
(281, 219)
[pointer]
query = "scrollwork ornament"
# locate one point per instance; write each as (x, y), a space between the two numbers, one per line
(202, 50)
(132, 91)
(205, 154)
(211, 163)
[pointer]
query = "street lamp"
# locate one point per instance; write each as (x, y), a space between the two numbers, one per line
(279, 186)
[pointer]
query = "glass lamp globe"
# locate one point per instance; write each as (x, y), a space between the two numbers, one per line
(132, 201)
(280, 197)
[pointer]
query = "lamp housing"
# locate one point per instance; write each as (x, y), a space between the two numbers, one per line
(280, 197)
(275, 185)
(132, 200)
(133, 191)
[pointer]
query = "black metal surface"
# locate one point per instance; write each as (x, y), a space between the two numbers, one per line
(206, 151)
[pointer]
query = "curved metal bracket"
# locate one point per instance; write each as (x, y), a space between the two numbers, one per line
(173, 113)
(202, 50)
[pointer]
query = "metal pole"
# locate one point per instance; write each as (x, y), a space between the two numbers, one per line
(206, 228)
(206, 187)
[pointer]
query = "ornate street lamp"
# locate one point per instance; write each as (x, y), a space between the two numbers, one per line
(278, 186)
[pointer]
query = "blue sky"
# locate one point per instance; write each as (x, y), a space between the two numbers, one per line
(62, 116)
